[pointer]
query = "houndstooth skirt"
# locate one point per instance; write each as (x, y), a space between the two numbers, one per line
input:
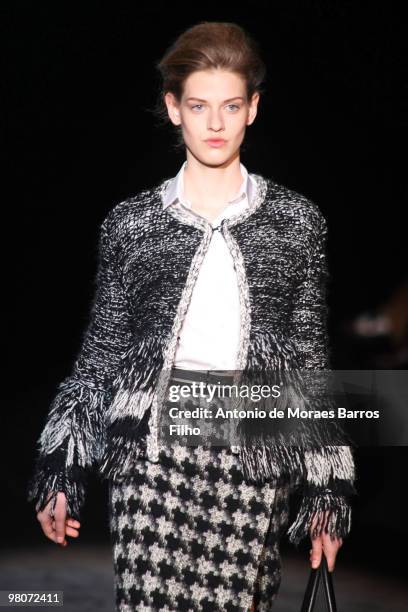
(188, 534)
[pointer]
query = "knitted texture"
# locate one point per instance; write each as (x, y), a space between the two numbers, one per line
(106, 412)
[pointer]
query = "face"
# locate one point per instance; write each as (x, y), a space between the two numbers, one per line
(213, 106)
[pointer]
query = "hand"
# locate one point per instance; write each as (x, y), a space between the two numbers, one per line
(325, 544)
(55, 528)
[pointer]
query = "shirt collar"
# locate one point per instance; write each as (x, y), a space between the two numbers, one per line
(175, 188)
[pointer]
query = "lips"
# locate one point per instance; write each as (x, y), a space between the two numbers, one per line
(217, 142)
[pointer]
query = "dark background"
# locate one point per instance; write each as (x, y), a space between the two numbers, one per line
(78, 82)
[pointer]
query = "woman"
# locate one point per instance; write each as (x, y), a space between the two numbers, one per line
(214, 269)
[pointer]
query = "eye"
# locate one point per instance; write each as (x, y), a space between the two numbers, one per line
(235, 106)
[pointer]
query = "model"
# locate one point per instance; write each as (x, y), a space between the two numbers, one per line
(215, 269)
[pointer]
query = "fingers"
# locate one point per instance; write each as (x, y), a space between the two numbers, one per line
(47, 525)
(73, 523)
(316, 552)
(69, 531)
(56, 526)
(60, 515)
(317, 545)
(324, 544)
(46, 520)
(331, 548)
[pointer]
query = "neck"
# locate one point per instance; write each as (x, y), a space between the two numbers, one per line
(211, 186)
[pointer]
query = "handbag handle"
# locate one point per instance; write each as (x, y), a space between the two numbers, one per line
(313, 586)
(328, 586)
(311, 590)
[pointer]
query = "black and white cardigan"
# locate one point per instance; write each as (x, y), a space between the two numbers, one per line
(105, 413)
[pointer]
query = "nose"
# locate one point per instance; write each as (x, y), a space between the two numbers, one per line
(215, 122)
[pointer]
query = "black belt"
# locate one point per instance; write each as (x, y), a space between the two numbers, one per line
(208, 376)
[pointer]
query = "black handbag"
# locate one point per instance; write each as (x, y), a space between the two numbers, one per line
(316, 574)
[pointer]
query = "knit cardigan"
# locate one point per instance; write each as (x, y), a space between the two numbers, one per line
(105, 413)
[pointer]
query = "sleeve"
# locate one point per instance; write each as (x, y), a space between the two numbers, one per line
(329, 471)
(72, 438)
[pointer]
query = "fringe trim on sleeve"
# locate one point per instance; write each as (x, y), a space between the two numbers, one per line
(337, 521)
(261, 463)
(71, 441)
(76, 416)
(47, 481)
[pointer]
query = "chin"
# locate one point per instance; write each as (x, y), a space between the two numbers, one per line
(216, 157)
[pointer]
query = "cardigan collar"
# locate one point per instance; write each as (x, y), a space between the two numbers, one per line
(175, 189)
(258, 196)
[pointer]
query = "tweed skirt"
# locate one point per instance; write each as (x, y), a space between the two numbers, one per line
(188, 534)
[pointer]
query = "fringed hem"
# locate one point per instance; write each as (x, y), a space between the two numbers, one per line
(319, 468)
(262, 463)
(46, 483)
(76, 417)
(71, 442)
(333, 514)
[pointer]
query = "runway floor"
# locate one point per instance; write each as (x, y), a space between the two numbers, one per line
(84, 574)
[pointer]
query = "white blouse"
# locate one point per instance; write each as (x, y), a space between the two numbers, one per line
(210, 334)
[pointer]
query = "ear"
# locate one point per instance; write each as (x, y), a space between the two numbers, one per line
(172, 108)
(253, 108)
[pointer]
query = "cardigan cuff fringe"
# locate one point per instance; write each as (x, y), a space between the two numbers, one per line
(76, 421)
(333, 514)
(71, 442)
(47, 481)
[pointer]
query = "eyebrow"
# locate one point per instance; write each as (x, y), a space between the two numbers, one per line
(229, 99)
